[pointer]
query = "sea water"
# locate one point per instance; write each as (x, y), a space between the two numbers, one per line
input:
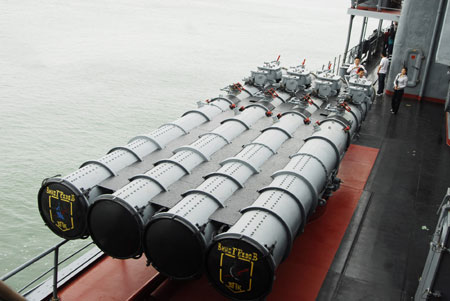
(80, 77)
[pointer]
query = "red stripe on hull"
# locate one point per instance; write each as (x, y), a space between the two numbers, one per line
(416, 97)
(448, 127)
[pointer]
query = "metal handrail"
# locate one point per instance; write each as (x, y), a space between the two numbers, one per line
(56, 264)
(31, 261)
(353, 52)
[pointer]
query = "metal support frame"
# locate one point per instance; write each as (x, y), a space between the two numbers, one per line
(349, 35)
(380, 27)
(361, 38)
(431, 49)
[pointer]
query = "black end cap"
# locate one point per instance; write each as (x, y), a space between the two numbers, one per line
(174, 246)
(239, 267)
(115, 227)
(63, 208)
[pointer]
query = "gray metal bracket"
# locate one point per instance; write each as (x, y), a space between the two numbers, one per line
(223, 98)
(243, 162)
(192, 149)
(262, 144)
(285, 226)
(279, 129)
(177, 126)
(313, 191)
(294, 197)
(237, 120)
(356, 118)
(127, 149)
(296, 113)
(100, 164)
(259, 106)
(267, 104)
(147, 177)
(314, 157)
(216, 134)
(197, 191)
(337, 120)
(212, 104)
(336, 151)
(197, 112)
(225, 175)
(175, 163)
(149, 138)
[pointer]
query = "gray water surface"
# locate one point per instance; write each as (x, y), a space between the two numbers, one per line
(80, 77)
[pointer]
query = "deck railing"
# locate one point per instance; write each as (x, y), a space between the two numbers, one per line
(25, 290)
(357, 51)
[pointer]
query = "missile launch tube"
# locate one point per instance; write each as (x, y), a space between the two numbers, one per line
(116, 221)
(63, 202)
(241, 262)
(175, 241)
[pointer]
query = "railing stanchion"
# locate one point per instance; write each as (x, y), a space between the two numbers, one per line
(55, 276)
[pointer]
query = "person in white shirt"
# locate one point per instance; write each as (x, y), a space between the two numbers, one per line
(399, 86)
(360, 73)
(353, 68)
(382, 70)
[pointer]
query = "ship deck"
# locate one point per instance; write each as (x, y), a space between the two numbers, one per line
(382, 254)
(370, 241)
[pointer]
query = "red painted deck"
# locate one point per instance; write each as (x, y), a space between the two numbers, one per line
(109, 279)
(416, 97)
(298, 278)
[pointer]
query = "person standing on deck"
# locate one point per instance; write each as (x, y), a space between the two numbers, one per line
(382, 70)
(399, 86)
(391, 40)
(353, 68)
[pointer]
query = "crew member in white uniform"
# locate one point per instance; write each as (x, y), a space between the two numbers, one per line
(353, 68)
(382, 70)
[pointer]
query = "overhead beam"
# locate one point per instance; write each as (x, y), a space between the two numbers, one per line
(391, 16)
